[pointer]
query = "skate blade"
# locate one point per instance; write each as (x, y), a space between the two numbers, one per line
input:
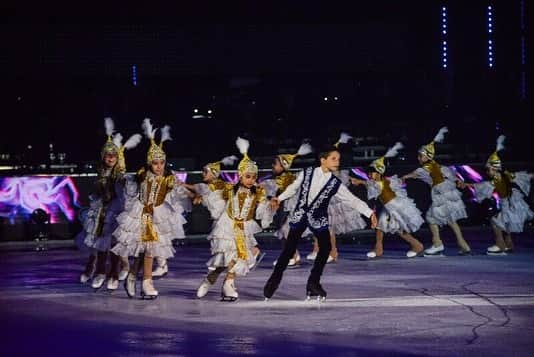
(317, 298)
(258, 261)
(148, 297)
(437, 255)
(229, 299)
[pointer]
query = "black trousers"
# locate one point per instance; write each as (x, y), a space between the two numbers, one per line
(295, 234)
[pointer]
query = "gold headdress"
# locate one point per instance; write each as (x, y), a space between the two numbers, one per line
(246, 164)
(155, 152)
(379, 164)
(215, 167)
(287, 159)
(428, 150)
(494, 160)
(109, 147)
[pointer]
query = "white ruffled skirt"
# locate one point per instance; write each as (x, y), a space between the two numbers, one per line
(447, 205)
(514, 213)
(86, 239)
(167, 222)
(400, 215)
(224, 249)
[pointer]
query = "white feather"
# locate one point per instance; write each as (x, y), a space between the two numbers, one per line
(117, 140)
(500, 142)
(110, 126)
(149, 132)
(229, 160)
(166, 133)
(304, 149)
(441, 135)
(242, 145)
(133, 141)
(392, 152)
(344, 138)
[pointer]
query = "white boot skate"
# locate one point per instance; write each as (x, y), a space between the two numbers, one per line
(98, 281)
(312, 256)
(129, 285)
(147, 290)
(123, 275)
(162, 268)
(203, 288)
(434, 251)
(229, 292)
(113, 284)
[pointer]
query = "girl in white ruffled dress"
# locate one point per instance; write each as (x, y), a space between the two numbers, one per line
(447, 206)
(399, 214)
(105, 205)
(232, 239)
(511, 189)
(153, 215)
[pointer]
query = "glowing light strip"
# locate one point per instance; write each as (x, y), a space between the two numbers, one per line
(491, 50)
(444, 31)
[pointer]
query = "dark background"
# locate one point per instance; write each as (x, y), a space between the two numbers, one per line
(264, 71)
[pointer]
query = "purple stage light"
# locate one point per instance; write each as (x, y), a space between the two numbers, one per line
(23, 195)
(180, 176)
(360, 173)
(232, 177)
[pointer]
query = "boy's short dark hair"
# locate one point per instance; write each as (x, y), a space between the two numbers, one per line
(327, 150)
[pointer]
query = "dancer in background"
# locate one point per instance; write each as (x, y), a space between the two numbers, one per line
(512, 188)
(399, 214)
(105, 204)
(447, 206)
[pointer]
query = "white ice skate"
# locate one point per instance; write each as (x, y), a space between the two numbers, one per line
(229, 292)
(123, 275)
(147, 290)
(113, 284)
(434, 251)
(161, 270)
(129, 285)
(495, 250)
(98, 281)
(311, 256)
(203, 288)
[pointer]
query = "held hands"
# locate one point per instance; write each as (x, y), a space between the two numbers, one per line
(197, 200)
(274, 203)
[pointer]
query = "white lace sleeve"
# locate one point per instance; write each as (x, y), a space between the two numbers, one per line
(264, 214)
(373, 189)
(483, 190)
(423, 175)
(522, 179)
(397, 186)
(270, 187)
